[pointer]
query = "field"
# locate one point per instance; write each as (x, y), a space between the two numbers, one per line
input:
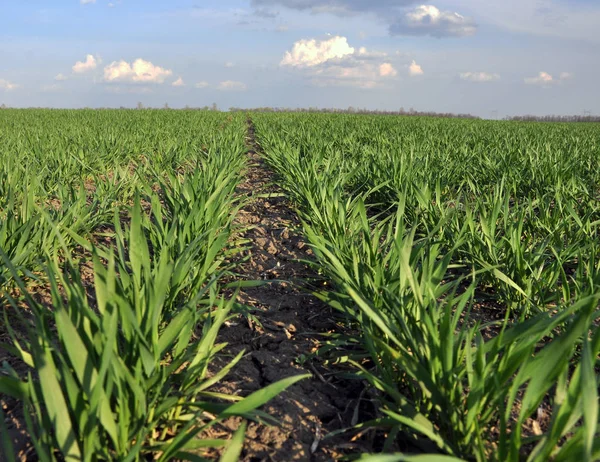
(193, 285)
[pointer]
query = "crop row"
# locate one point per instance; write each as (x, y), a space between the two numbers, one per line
(116, 229)
(464, 256)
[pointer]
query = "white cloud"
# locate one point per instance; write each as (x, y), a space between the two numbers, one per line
(430, 20)
(479, 76)
(352, 72)
(202, 84)
(308, 53)
(8, 86)
(87, 2)
(89, 64)
(231, 85)
(140, 71)
(543, 78)
(178, 83)
(387, 70)
(229, 64)
(60, 77)
(333, 62)
(414, 69)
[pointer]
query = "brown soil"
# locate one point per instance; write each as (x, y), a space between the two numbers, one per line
(291, 323)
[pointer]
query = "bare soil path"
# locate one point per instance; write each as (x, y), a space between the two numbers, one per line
(292, 323)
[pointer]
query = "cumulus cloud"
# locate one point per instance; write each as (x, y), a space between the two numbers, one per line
(60, 77)
(178, 83)
(479, 76)
(8, 86)
(309, 53)
(87, 2)
(202, 84)
(414, 69)
(231, 85)
(545, 79)
(140, 71)
(353, 73)
(387, 70)
(430, 20)
(90, 63)
(333, 62)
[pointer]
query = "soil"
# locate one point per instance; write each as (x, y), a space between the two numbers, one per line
(291, 324)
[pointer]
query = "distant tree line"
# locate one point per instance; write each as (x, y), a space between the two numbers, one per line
(554, 118)
(353, 110)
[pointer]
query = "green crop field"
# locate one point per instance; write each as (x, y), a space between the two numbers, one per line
(461, 257)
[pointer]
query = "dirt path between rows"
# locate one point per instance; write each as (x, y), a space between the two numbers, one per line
(292, 323)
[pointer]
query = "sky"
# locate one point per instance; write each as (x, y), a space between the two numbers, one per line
(490, 58)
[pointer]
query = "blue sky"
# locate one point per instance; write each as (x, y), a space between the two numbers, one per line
(510, 56)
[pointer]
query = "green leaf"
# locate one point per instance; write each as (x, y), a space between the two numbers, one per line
(589, 394)
(261, 397)
(407, 458)
(7, 448)
(56, 405)
(14, 387)
(234, 449)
